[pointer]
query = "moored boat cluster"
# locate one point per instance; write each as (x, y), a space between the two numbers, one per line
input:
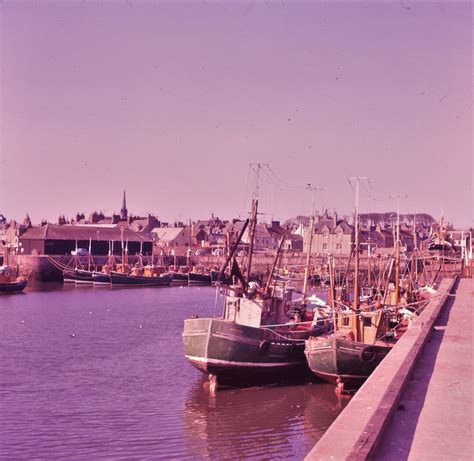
(264, 334)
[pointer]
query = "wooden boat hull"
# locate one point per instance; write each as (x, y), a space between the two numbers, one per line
(199, 279)
(225, 279)
(100, 279)
(239, 354)
(77, 276)
(69, 276)
(125, 280)
(351, 362)
(16, 286)
(179, 278)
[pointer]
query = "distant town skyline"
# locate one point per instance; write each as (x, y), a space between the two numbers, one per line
(172, 102)
(349, 216)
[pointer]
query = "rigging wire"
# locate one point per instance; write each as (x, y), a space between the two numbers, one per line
(246, 191)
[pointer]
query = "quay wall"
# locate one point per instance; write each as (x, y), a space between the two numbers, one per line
(40, 269)
(356, 432)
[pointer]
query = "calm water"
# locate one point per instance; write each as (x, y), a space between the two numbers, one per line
(94, 373)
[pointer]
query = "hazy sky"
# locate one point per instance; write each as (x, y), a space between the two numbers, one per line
(172, 101)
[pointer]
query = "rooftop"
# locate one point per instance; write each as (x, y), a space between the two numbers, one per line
(83, 232)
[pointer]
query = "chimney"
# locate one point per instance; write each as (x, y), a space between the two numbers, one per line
(94, 217)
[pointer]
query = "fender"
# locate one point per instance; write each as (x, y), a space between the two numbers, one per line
(368, 354)
(264, 346)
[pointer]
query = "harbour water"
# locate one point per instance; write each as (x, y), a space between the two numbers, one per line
(94, 373)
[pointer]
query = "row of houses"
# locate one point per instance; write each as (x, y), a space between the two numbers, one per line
(148, 235)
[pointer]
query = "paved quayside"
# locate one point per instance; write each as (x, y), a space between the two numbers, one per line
(435, 421)
(417, 405)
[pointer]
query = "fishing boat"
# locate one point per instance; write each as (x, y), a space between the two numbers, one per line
(198, 278)
(179, 278)
(120, 279)
(261, 334)
(253, 341)
(9, 283)
(101, 278)
(77, 276)
(365, 332)
(341, 359)
(363, 335)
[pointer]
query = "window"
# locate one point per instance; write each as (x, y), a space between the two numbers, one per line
(338, 246)
(325, 246)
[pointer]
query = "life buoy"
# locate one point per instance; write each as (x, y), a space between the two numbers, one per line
(264, 346)
(368, 354)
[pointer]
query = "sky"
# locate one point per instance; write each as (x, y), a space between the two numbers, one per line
(173, 101)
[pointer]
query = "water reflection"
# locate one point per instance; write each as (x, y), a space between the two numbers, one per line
(251, 423)
(120, 388)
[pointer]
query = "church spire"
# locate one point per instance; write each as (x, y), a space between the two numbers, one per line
(123, 211)
(27, 221)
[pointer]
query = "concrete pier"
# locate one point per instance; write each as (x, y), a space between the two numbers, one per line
(417, 405)
(434, 421)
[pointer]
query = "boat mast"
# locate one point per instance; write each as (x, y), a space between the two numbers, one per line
(233, 250)
(415, 250)
(356, 254)
(253, 225)
(355, 302)
(126, 252)
(275, 262)
(332, 299)
(76, 258)
(123, 251)
(253, 221)
(369, 267)
(89, 258)
(112, 259)
(107, 264)
(308, 259)
(311, 234)
(397, 249)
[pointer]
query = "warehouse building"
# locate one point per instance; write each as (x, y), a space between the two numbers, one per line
(52, 239)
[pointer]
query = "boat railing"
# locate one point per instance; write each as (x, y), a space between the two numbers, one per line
(268, 327)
